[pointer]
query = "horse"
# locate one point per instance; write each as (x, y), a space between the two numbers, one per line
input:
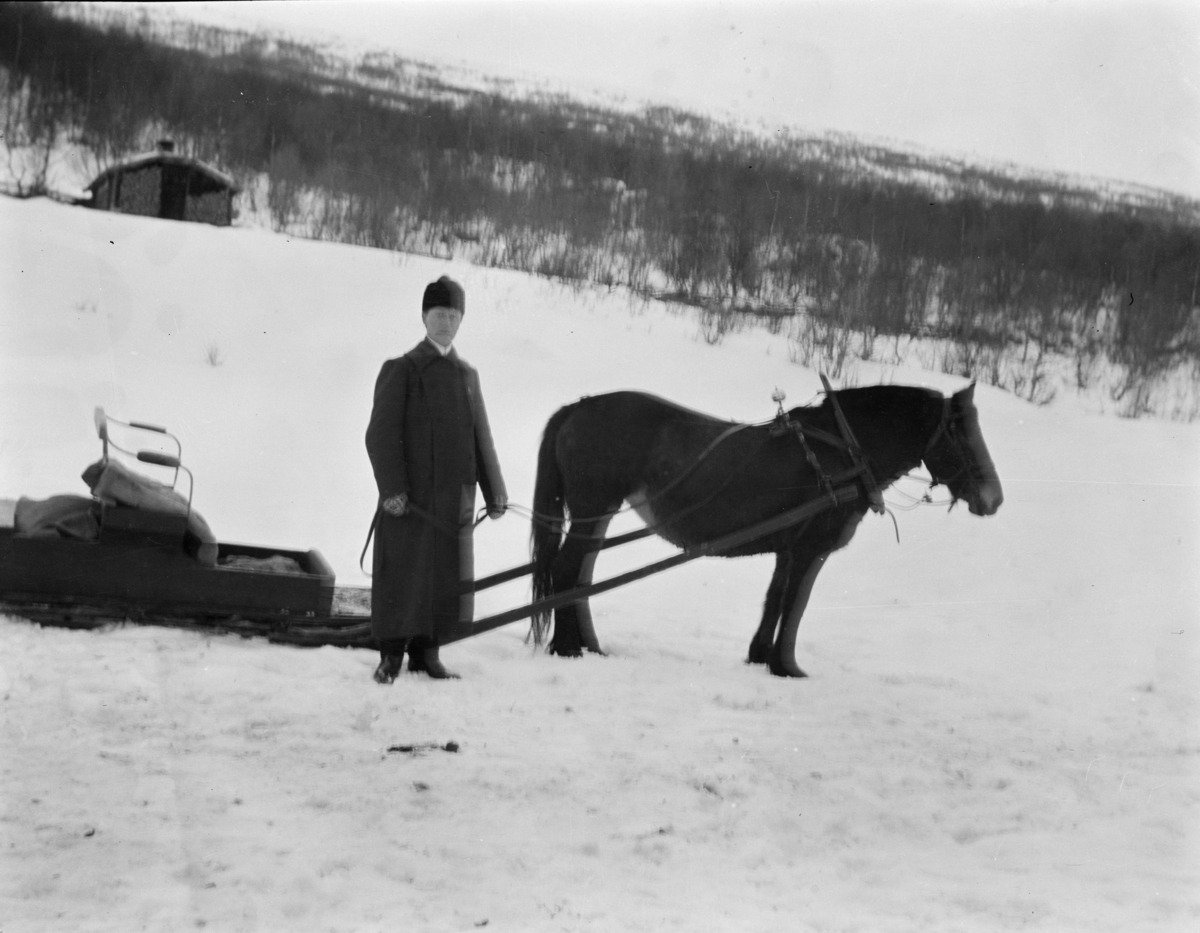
(694, 478)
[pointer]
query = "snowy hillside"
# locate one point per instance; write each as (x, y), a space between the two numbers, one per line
(999, 730)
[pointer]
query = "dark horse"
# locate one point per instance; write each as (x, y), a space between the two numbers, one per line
(694, 479)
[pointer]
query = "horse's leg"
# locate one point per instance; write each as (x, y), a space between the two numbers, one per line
(583, 607)
(795, 601)
(764, 638)
(573, 628)
(807, 561)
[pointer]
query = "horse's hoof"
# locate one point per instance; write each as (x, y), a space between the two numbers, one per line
(780, 670)
(758, 654)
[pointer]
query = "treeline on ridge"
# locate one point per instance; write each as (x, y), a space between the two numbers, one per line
(661, 201)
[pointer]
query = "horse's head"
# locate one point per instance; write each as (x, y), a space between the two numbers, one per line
(957, 457)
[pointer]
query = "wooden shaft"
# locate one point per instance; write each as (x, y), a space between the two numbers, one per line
(784, 520)
(515, 573)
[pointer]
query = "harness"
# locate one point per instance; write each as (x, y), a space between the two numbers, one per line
(782, 424)
(859, 469)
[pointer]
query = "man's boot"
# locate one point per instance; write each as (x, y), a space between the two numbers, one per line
(391, 660)
(423, 657)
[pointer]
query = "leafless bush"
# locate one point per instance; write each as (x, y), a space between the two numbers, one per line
(716, 321)
(973, 359)
(820, 344)
(566, 262)
(1134, 393)
(283, 196)
(32, 117)
(1029, 378)
(1086, 359)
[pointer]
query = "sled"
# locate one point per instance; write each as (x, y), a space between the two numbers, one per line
(150, 565)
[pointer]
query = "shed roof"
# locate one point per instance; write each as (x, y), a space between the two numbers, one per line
(161, 157)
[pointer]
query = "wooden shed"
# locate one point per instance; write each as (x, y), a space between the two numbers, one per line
(164, 184)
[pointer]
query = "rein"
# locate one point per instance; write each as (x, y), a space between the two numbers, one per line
(444, 527)
(534, 516)
(723, 436)
(778, 425)
(782, 423)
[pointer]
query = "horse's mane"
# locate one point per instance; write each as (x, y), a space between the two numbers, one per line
(683, 409)
(874, 396)
(856, 397)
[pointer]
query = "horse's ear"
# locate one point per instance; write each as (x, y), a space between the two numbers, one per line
(967, 394)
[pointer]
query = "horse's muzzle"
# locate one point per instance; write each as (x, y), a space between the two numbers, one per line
(988, 500)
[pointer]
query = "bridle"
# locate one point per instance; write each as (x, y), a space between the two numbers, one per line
(945, 425)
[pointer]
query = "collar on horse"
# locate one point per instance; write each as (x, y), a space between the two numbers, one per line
(850, 443)
(847, 442)
(857, 457)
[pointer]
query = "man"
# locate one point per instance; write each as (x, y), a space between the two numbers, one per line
(429, 442)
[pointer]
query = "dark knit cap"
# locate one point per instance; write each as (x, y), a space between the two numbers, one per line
(444, 293)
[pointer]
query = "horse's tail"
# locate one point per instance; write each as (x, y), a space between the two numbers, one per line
(548, 515)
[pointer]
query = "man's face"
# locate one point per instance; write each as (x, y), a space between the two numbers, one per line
(441, 324)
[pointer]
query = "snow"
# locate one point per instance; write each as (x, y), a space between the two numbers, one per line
(999, 730)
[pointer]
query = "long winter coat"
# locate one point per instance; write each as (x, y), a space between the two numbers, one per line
(428, 438)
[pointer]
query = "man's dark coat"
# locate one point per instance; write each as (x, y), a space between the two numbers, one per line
(428, 438)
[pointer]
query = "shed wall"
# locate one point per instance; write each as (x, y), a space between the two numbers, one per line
(103, 194)
(140, 192)
(212, 207)
(189, 195)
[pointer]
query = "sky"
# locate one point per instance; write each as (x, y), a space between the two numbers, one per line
(1107, 89)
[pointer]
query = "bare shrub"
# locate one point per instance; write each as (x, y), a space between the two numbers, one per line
(717, 321)
(973, 359)
(1134, 394)
(820, 344)
(32, 117)
(1086, 359)
(866, 343)
(1029, 378)
(567, 262)
(287, 179)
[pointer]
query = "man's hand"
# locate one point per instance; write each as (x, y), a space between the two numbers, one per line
(498, 507)
(396, 506)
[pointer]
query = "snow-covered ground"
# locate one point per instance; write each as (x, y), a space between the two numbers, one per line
(999, 730)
